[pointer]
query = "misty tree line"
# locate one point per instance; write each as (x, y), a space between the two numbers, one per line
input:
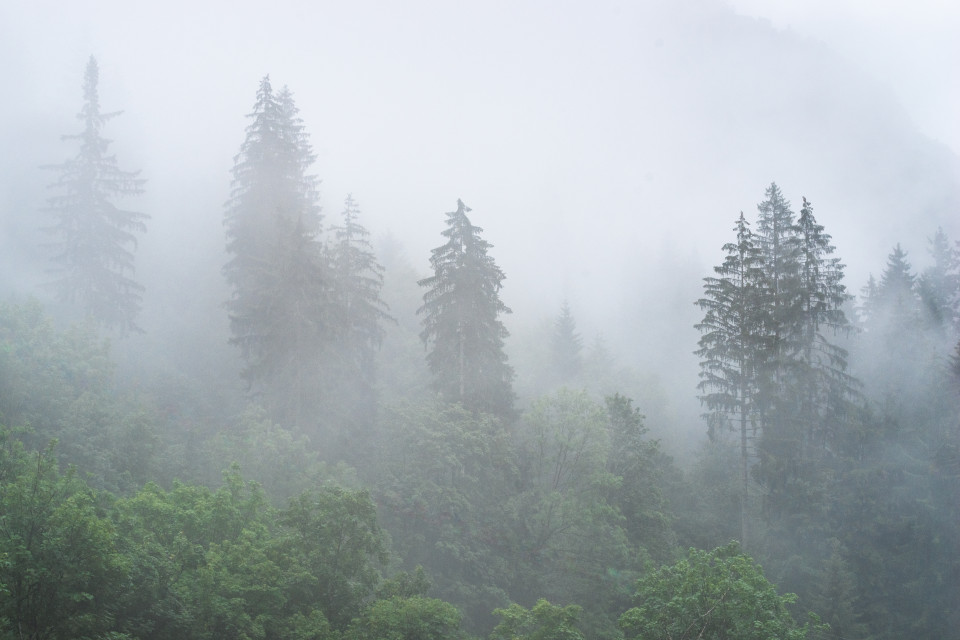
(461, 513)
(855, 473)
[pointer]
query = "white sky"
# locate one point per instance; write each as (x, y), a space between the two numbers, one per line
(906, 44)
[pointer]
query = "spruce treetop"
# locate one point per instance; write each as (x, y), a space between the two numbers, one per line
(93, 238)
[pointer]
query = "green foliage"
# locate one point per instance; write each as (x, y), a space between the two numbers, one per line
(443, 475)
(61, 570)
(719, 594)
(283, 463)
(94, 239)
(213, 564)
(60, 385)
(640, 465)
(404, 585)
(330, 549)
(836, 598)
(567, 540)
(707, 501)
(411, 618)
(544, 621)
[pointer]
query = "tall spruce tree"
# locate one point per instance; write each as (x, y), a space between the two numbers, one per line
(811, 408)
(939, 286)
(768, 362)
(93, 238)
(901, 351)
(733, 345)
(358, 279)
(779, 249)
(804, 402)
(461, 320)
(819, 379)
(278, 269)
(358, 315)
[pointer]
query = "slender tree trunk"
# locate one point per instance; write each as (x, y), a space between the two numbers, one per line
(744, 475)
(462, 363)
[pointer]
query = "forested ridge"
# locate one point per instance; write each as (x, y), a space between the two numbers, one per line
(384, 469)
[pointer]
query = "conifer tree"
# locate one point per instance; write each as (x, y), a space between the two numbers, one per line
(461, 320)
(898, 353)
(357, 279)
(768, 363)
(278, 269)
(779, 249)
(939, 286)
(358, 315)
(567, 345)
(733, 345)
(93, 238)
(815, 384)
(895, 310)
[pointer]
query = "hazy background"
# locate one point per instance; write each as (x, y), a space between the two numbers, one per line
(605, 150)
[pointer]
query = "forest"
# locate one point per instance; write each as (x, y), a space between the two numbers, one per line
(367, 453)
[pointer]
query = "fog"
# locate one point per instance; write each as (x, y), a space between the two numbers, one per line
(606, 151)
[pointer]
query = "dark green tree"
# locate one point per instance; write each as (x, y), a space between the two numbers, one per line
(444, 474)
(61, 571)
(769, 355)
(811, 392)
(330, 550)
(278, 269)
(778, 243)
(820, 365)
(836, 597)
(93, 238)
(461, 320)
(637, 461)
(733, 349)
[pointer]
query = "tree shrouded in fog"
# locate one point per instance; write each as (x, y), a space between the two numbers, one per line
(567, 345)
(358, 280)
(939, 285)
(357, 316)
(732, 346)
(818, 373)
(278, 269)
(768, 363)
(93, 238)
(461, 320)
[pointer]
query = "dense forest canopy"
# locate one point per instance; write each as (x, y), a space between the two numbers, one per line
(635, 390)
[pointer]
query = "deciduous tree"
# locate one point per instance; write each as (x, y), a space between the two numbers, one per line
(719, 594)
